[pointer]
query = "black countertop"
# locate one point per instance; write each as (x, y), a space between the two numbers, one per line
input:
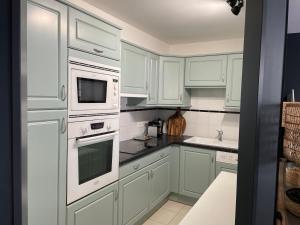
(141, 148)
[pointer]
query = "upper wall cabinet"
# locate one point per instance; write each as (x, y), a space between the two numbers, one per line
(206, 71)
(46, 54)
(171, 79)
(90, 34)
(234, 81)
(153, 75)
(134, 70)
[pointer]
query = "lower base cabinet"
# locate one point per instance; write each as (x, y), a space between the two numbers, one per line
(99, 208)
(46, 160)
(143, 190)
(197, 170)
(227, 167)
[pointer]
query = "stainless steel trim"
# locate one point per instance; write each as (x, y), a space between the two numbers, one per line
(93, 66)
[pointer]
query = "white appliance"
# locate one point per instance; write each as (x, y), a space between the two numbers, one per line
(93, 156)
(93, 88)
(227, 157)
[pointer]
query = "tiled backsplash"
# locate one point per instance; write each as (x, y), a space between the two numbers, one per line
(203, 124)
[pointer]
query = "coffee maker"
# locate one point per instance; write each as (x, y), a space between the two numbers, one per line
(155, 128)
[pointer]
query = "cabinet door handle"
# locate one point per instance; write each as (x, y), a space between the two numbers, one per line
(63, 93)
(180, 97)
(63, 125)
(137, 166)
(151, 174)
(97, 50)
(116, 195)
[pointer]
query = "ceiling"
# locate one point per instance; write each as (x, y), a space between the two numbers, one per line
(178, 21)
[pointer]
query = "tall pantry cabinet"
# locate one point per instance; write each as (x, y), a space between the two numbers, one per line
(47, 111)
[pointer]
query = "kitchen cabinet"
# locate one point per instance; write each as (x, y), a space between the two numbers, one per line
(171, 81)
(47, 54)
(153, 85)
(159, 182)
(134, 70)
(197, 170)
(99, 208)
(234, 81)
(206, 71)
(134, 197)
(89, 34)
(46, 161)
(143, 190)
(227, 167)
(174, 168)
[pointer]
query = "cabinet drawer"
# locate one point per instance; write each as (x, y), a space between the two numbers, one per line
(206, 71)
(99, 206)
(90, 34)
(143, 162)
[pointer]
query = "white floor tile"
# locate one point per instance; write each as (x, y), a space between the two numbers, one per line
(150, 222)
(173, 206)
(163, 216)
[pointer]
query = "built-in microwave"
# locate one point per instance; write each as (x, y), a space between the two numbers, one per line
(93, 156)
(93, 88)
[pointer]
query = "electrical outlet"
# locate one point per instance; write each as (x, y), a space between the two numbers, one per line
(141, 123)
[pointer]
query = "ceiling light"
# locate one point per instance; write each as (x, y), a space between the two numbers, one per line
(232, 3)
(236, 6)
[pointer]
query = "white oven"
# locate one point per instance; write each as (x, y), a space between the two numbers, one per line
(93, 88)
(93, 156)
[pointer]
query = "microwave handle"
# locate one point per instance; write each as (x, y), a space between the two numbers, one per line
(93, 140)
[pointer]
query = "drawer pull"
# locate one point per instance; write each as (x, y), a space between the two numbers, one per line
(97, 50)
(136, 167)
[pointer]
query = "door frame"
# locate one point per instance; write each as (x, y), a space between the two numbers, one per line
(265, 27)
(260, 111)
(13, 82)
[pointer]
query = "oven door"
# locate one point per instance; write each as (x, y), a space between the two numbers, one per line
(92, 90)
(93, 162)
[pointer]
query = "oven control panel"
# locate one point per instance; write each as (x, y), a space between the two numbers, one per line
(92, 127)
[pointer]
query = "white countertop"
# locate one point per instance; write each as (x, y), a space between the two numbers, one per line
(217, 205)
(213, 142)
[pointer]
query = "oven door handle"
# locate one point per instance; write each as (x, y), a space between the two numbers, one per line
(96, 139)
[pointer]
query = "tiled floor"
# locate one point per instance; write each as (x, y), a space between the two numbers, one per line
(170, 213)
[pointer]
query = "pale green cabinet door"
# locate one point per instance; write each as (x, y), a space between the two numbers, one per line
(160, 181)
(197, 170)
(152, 86)
(47, 54)
(134, 70)
(134, 197)
(99, 208)
(46, 160)
(206, 71)
(220, 166)
(92, 35)
(234, 80)
(171, 78)
(175, 168)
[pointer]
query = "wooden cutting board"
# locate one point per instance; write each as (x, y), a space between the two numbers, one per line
(176, 124)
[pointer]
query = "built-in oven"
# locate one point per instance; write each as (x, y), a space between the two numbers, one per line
(93, 156)
(93, 88)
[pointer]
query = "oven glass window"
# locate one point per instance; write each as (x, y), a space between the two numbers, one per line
(91, 91)
(94, 160)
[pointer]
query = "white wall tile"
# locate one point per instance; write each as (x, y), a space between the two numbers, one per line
(129, 123)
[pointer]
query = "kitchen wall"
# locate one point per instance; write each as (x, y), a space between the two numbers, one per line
(210, 47)
(142, 39)
(204, 123)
